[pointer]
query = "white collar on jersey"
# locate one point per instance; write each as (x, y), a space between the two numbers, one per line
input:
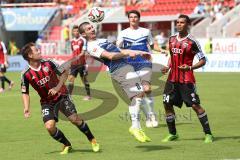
(134, 29)
(38, 69)
(181, 39)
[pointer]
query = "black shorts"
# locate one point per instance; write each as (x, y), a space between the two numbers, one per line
(81, 69)
(3, 68)
(64, 105)
(177, 93)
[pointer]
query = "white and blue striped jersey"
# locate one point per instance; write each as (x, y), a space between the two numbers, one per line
(136, 39)
(97, 47)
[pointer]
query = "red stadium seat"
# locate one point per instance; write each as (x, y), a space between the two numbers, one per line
(170, 7)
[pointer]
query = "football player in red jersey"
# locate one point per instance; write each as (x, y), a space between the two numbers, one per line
(180, 86)
(78, 46)
(3, 66)
(48, 79)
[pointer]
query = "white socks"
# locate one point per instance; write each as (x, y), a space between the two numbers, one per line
(148, 106)
(134, 110)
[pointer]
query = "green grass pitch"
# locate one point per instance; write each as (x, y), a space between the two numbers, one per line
(27, 139)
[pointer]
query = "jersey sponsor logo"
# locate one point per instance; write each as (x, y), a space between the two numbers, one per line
(129, 44)
(176, 51)
(75, 47)
(43, 81)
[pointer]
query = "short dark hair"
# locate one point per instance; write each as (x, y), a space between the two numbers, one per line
(80, 28)
(186, 17)
(134, 12)
(75, 27)
(26, 50)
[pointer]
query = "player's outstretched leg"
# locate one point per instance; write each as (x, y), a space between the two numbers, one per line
(58, 136)
(83, 127)
(135, 129)
(170, 120)
(202, 116)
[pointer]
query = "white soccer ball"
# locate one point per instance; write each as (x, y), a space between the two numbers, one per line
(96, 15)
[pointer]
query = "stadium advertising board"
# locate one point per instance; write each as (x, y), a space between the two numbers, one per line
(26, 19)
(215, 62)
(223, 45)
(231, 45)
(221, 63)
(16, 63)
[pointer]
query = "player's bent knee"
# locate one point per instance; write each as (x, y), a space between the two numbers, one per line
(75, 119)
(50, 126)
(197, 108)
(168, 108)
(136, 101)
(146, 87)
(71, 79)
(147, 90)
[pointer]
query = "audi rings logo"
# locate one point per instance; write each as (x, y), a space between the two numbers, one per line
(176, 51)
(43, 81)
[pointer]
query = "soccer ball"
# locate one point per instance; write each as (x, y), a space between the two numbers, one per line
(96, 15)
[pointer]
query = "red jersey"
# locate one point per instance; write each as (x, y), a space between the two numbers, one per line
(182, 51)
(42, 80)
(77, 45)
(3, 52)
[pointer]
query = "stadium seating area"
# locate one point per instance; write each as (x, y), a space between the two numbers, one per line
(77, 6)
(162, 7)
(172, 7)
(54, 33)
(147, 7)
